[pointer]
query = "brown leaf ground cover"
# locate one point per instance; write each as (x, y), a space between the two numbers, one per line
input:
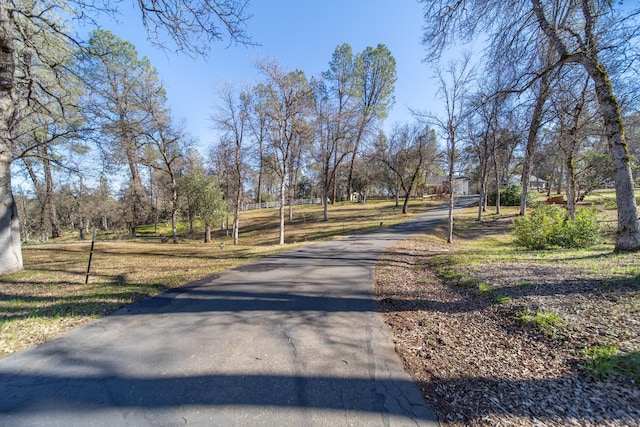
(495, 335)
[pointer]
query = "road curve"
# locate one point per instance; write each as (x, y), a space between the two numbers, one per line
(292, 339)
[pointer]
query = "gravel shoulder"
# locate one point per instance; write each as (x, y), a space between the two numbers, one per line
(478, 363)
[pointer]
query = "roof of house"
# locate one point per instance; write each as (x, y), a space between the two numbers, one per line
(438, 180)
(532, 178)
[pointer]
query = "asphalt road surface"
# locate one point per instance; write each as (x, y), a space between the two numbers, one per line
(290, 340)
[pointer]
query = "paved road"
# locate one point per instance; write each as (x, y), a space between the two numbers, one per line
(292, 339)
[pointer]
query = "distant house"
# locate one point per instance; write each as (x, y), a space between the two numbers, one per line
(535, 183)
(440, 185)
(461, 185)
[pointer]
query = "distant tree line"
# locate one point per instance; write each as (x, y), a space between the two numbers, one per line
(87, 122)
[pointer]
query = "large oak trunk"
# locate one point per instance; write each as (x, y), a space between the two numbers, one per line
(10, 250)
(628, 233)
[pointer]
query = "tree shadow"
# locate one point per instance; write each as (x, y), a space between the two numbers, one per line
(179, 300)
(49, 396)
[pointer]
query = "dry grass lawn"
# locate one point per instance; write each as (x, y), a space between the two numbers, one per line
(50, 296)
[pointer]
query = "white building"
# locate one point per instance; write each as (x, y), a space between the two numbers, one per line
(535, 183)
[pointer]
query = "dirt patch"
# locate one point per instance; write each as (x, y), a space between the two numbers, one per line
(478, 363)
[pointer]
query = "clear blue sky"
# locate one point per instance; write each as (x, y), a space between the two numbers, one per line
(298, 34)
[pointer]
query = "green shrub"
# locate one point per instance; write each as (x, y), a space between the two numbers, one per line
(549, 226)
(583, 231)
(510, 196)
(538, 229)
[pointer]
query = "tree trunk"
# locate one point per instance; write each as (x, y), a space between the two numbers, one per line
(44, 193)
(551, 178)
(81, 228)
(325, 201)
(236, 214)
(136, 188)
(335, 186)
(481, 200)
(10, 250)
(628, 233)
(283, 189)
(361, 129)
(53, 216)
(174, 209)
(405, 204)
(207, 233)
(571, 188)
(40, 195)
(326, 183)
(236, 225)
(260, 172)
(325, 209)
(43, 214)
(450, 217)
(350, 177)
(24, 232)
(497, 177)
(560, 175)
(397, 192)
(570, 152)
(532, 139)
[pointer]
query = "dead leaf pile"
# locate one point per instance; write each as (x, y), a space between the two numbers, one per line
(477, 365)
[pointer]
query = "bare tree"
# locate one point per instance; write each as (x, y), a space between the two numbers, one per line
(481, 126)
(574, 113)
(454, 85)
(232, 119)
(288, 104)
(166, 148)
(541, 89)
(332, 128)
(408, 153)
(597, 36)
(258, 121)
